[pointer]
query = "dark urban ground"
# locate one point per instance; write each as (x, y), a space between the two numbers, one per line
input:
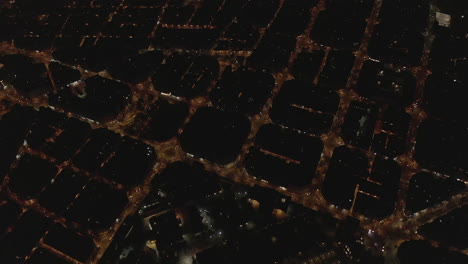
(233, 131)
